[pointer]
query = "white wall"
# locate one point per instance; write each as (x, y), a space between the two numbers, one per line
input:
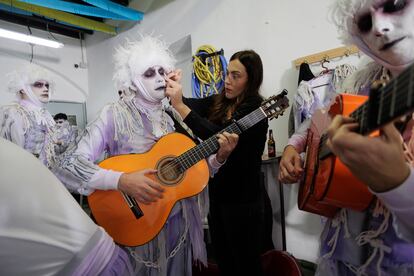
(71, 84)
(279, 30)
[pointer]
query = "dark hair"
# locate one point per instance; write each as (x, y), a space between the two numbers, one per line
(254, 68)
(60, 116)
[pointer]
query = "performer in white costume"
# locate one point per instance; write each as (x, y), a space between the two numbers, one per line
(27, 123)
(133, 125)
(381, 238)
(65, 134)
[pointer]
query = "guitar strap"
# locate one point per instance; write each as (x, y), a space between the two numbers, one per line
(180, 126)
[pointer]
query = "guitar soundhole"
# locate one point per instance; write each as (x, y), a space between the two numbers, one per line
(169, 171)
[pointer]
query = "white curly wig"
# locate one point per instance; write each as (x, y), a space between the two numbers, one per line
(135, 57)
(22, 78)
(342, 14)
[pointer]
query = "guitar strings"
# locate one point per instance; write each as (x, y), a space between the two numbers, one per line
(193, 154)
(399, 83)
(386, 98)
(196, 153)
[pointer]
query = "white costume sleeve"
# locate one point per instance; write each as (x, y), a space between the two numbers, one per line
(213, 164)
(12, 125)
(78, 170)
(400, 202)
(298, 139)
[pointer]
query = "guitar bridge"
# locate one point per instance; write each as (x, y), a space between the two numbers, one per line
(133, 205)
(137, 212)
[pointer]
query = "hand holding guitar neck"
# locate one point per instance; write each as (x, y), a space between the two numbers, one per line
(227, 142)
(377, 161)
(142, 188)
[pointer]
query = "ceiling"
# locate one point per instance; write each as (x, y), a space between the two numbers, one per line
(72, 18)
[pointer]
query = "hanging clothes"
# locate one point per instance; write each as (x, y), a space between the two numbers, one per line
(305, 74)
(312, 95)
(319, 92)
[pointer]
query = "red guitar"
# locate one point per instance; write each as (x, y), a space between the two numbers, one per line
(327, 183)
(181, 169)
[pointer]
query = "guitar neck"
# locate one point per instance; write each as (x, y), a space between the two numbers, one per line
(211, 145)
(383, 106)
(386, 104)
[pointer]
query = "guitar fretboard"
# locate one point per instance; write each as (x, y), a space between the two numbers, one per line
(211, 145)
(387, 103)
(383, 106)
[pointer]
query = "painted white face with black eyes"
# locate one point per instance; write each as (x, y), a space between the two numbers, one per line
(153, 80)
(387, 29)
(40, 90)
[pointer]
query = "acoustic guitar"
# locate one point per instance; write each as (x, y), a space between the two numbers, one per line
(181, 169)
(327, 183)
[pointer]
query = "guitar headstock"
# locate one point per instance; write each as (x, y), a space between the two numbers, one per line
(275, 105)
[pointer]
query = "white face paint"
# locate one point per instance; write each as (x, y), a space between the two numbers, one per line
(387, 29)
(153, 80)
(40, 89)
(61, 123)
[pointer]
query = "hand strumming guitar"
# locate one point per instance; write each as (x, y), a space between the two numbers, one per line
(290, 168)
(142, 188)
(377, 161)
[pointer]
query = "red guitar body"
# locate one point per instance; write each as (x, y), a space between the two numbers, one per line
(327, 183)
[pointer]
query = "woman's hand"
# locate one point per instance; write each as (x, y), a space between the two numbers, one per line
(141, 187)
(175, 75)
(290, 168)
(377, 161)
(174, 92)
(227, 144)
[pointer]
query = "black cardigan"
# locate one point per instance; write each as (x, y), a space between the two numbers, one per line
(238, 180)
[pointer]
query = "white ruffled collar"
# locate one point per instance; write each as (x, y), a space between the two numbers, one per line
(40, 114)
(156, 114)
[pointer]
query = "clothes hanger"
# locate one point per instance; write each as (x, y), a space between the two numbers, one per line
(326, 69)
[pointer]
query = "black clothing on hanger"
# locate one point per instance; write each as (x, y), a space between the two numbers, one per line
(305, 73)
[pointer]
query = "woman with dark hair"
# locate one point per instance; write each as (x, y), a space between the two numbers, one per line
(237, 194)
